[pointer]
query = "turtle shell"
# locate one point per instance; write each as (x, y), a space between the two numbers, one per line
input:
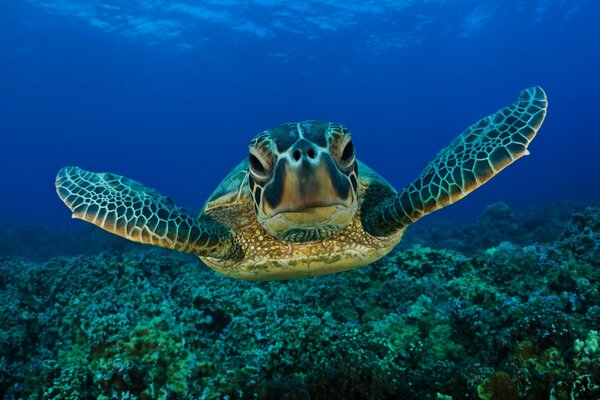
(266, 257)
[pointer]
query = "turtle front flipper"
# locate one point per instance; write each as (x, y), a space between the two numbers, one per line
(473, 158)
(126, 208)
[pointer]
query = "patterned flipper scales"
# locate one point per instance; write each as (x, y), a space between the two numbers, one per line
(126, 208)
(473, 158)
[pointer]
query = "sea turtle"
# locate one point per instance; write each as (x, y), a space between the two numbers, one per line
(301, 204)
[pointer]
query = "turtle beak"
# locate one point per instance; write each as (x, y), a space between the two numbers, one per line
(307, 186)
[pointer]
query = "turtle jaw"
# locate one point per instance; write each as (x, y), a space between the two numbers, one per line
(310, 224)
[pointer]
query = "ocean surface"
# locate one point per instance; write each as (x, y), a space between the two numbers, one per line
(495, 297)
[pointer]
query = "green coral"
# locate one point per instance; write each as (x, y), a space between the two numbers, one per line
(498, 387)
(509, 322)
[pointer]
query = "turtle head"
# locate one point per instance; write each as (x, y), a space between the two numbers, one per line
(303, 179)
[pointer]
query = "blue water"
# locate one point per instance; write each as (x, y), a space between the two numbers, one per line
(170, 93)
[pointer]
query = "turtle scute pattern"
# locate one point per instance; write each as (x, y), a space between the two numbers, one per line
(479, 153)
(127, 208)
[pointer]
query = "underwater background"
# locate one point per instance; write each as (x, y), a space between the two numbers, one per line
(495, 297)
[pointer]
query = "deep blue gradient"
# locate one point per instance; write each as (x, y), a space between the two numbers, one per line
(171, 93)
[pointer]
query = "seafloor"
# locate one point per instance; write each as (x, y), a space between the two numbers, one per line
(506, 308)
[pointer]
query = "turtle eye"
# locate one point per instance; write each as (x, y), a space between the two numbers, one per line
(256, 164)
(348, 153)
(258, 167)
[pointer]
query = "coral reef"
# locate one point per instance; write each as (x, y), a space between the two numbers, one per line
(498, 223)
(509, 321)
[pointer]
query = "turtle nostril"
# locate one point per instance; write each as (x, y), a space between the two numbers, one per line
(311, 153)
(296, 155)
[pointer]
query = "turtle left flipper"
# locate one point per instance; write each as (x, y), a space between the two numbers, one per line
(129, 209)
(473, 158)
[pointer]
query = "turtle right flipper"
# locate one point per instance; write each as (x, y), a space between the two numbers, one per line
(126, 208)
(473, 158)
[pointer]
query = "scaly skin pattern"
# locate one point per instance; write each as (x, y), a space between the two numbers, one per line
(269, 258)
(127, 208)
(472, 159)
